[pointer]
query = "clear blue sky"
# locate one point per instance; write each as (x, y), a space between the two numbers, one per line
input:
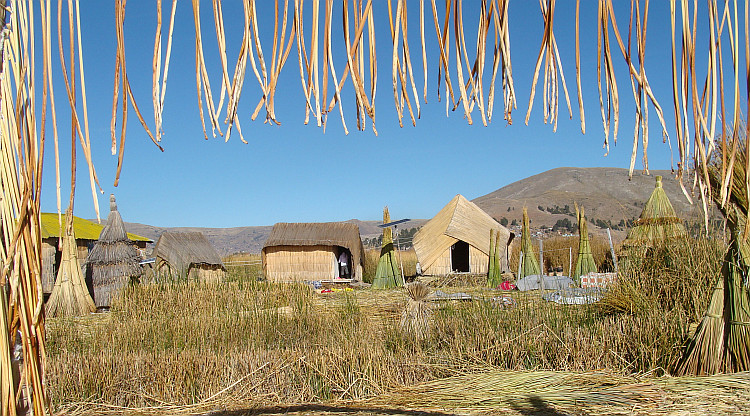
(298, 173)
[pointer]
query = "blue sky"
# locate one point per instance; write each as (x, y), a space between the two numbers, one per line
(298, 173)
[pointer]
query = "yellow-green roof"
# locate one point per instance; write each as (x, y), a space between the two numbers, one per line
(84, 229)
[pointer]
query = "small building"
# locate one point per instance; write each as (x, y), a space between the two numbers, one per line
(296, 252)
(457, 240)
(187, 255)
(86, 232)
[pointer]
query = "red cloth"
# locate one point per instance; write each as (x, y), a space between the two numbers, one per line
(506, 285)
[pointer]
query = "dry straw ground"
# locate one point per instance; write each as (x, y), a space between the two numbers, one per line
(244, 344)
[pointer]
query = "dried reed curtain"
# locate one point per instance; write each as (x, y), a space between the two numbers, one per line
(22, 153)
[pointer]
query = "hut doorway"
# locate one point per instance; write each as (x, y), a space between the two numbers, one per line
(343, 262)
(460, 257)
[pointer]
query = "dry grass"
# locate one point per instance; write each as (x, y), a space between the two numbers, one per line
(244, 343)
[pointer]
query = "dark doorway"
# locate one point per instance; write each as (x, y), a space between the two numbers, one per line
(460, 257)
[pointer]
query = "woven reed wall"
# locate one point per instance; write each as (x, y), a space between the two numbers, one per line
(48, 264)
(206, 273)
(478, 263)
(299, 263)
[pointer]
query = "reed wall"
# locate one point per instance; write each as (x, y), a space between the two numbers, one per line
(300, 263)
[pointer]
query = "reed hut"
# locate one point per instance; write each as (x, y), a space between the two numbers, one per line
(585, 261)
(296, 252)
(658, 221)
(86, 233)
(387, 274)
(188, 255)
(455, 240)
(529, 265)
(114, 260)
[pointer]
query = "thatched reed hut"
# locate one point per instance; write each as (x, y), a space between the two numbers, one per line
(658, 221)
(455, 240)
(296, 252)
(114, 259)
(86, 233)
(188, 255)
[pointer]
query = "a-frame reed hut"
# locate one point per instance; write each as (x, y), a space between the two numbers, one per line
(658, 221)
(114, 259)
(529, 265)
(296, 252)
(585, 261)
(455, 240)
(187, 255)
(387, 274)
(70, 296)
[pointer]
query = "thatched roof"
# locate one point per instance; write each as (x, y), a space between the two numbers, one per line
(84, 229)
(461, 220)
(114, 258)
(658, 220)
(342, 234)
(183, 250)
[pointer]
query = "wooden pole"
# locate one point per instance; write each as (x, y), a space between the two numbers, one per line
(612, 249)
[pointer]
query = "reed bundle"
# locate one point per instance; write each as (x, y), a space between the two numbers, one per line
(494, 273)
(415, 319)
(657, 222)
(596, 393)
(387, 274)
(70, 296)
(585, 263)
(529, 264)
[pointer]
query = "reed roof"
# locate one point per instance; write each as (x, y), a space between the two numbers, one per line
(462, 220)
(658, 220)
(84, 229)
(342, 234)
(181, 250)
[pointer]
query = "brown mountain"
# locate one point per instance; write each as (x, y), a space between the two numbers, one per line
(606, 193)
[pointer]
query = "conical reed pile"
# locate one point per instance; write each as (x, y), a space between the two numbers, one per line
(70, 296)
(114, 260)
(529, 263)
(387, 274)
(585, 262)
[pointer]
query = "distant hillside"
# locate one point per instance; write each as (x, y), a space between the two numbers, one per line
(606, 193)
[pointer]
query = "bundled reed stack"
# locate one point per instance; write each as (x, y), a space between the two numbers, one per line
(415, 320)
(70, 296)
(585, 262)
(529, 264)
(721, 343)
(494, 272)
(657, 224)
(387, 274)
(114, 260)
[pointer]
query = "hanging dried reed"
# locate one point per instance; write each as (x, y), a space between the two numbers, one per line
(549, 52)
(160, 89)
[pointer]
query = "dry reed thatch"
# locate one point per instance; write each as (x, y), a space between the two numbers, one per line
(657, 222)
(181, 252)
(113, 260)
(585, 263)
(548, 391)
(387, 274)
(529, 264)
(415, 319)
(70, 296)
(459, 220)
(721, 343)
